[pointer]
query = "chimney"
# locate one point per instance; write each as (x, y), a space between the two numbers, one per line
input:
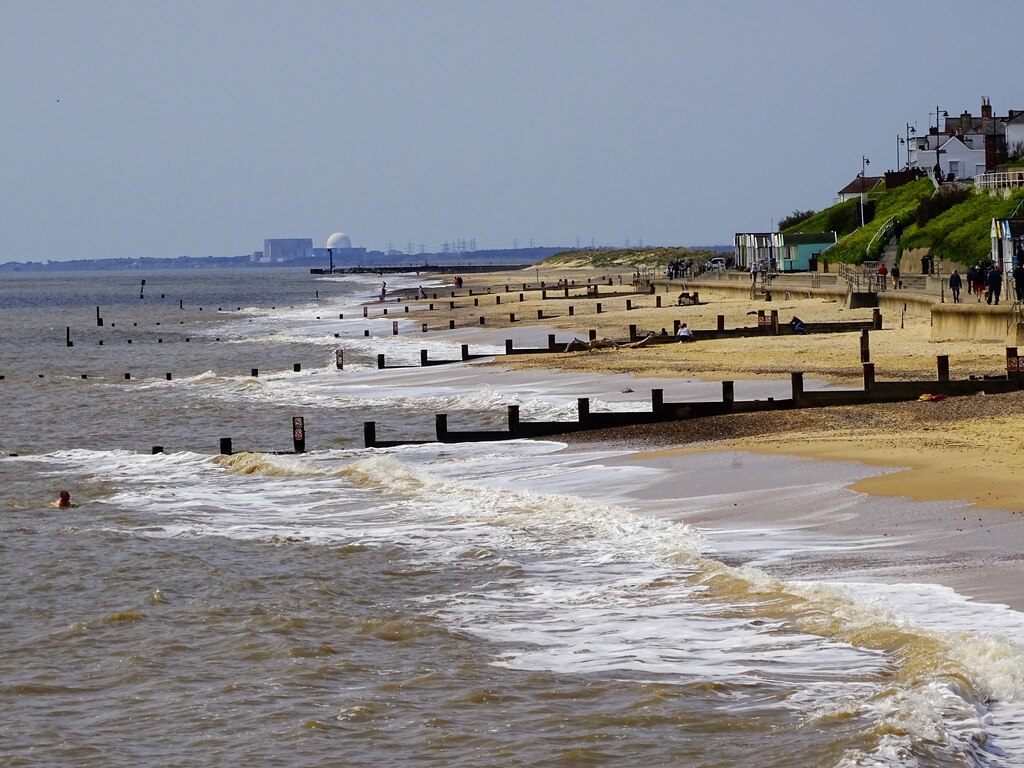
(986, 108)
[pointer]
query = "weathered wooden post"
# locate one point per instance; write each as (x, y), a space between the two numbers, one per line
(551, 342)
(599, 307)
(583, 405)
(423, 357)
(592, 334)
(632, 331)
(876, 319)
(775, 322)
(339, 359)
(254, 372)
(394, 327)
(869, 376)
(225, 446)
(441, 426)
(657, 399)
(451, 325)
(942, 363)
(296, 367)
(465, 351)
(797, 380)
(572, 310)
(380, 361)
(508, 346)
(67, 339)
(721, 323)
(865, 346)
(657, 302)
(513, 418)
(728, 393)
(99, 320)
(369, 434)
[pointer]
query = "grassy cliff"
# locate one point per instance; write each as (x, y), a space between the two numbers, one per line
(962, 233)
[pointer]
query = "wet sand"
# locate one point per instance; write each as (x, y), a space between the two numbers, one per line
(965, 451)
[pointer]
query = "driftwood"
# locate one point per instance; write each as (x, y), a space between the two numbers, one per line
(577, 345)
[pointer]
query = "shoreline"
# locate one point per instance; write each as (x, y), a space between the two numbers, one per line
(959, 454)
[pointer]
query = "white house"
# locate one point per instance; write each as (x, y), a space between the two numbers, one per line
(1015, 135)
(963, 157)
(859, 186)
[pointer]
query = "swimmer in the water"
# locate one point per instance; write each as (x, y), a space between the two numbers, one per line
(64, 501)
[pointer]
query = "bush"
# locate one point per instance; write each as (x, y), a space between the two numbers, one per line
(940, 202)
(796, 217)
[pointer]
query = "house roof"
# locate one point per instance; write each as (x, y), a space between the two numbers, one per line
(855, 188)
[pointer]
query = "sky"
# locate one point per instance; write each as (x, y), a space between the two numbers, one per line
(145, 128)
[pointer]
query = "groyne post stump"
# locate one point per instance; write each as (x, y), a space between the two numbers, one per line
(865, 346)
(225, 446)
(721, 323)
(551, 342)
(876, 319)
(465, 351)
(869, 376)
(775, 322)
(513, 418)
(657, 399)
(942, 363)
(423, 357)
(592, 334)
(583, 406)
(508, 346)
(369, 434)
(632, 332)
(728, 393)
(441, 426)
(380, 361)
(797, 382)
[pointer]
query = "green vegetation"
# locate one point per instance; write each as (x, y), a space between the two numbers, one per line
(630, 257)
(900, 203)
(796, 217)
(962, 233)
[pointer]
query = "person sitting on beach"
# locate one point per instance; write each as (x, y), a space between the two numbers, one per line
(664, 332)
(63, 501)
(684, 333)
(798, 325)
(421, 294)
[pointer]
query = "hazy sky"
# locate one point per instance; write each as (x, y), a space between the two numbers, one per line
(149, 128)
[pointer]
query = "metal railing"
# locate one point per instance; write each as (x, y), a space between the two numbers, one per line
(1001, 180)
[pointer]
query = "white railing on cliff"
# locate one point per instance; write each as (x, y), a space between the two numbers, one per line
(1001, 180)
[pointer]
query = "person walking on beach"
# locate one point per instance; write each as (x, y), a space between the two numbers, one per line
(978, 282)
(383, 290)
(1018, 281)
(994, 281)
(882, 273)
(955, 284)
(895, 276)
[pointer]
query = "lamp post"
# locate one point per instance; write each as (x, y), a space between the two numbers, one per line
(899, 140)
(910, 130)
(864, 162)
(938, 166)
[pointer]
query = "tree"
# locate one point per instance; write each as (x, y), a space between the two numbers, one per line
(795, 218)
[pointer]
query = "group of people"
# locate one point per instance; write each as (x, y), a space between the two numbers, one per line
(987, 279)
(893, 274)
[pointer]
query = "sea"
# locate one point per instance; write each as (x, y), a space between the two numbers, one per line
(518, 603)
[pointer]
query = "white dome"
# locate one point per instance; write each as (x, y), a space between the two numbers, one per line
(339, 240)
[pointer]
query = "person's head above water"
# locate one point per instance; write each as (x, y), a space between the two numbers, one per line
(64, 500)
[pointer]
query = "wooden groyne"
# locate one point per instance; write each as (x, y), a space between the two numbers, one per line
(872, 391)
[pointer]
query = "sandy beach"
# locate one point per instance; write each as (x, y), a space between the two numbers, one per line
(961, 450)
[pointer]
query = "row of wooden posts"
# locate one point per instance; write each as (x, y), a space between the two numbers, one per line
(873, 391)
